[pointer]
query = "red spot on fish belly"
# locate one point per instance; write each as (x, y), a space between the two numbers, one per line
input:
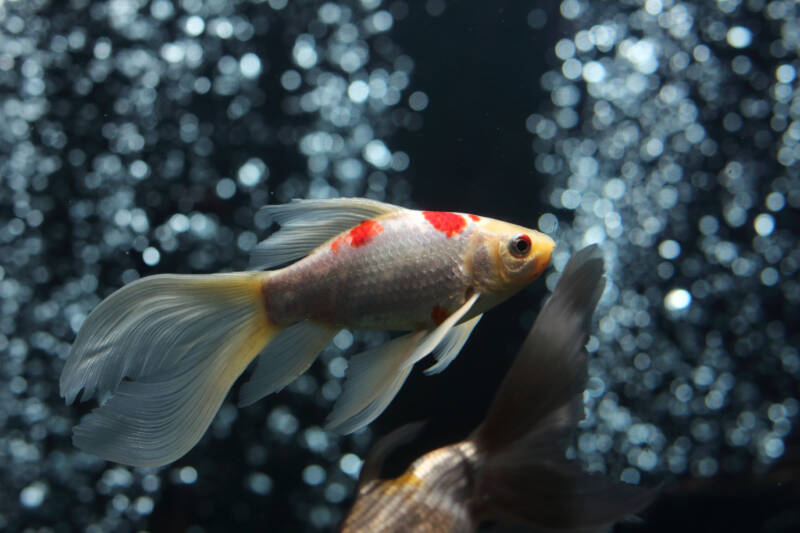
(358, 236)
(447, 223)
(474, 218)
(439, 314)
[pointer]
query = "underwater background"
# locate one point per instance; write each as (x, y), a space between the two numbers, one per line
(142, 137)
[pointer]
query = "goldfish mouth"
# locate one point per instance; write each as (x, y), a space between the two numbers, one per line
(542, 250)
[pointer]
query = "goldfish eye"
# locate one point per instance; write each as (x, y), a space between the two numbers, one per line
(519, 245)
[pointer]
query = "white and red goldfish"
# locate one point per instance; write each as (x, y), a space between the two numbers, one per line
(182, 340)
(512, 468)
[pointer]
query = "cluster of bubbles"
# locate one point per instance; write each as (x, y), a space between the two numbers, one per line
(349, 75)
(144, 136)
(674, 140)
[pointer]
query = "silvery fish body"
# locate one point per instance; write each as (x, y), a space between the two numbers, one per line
(169, 347)
(405, 270)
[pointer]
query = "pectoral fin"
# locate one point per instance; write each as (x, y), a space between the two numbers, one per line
(374, 377)
(435, 337)
(449, 348)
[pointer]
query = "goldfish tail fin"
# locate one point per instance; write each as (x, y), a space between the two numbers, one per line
(168, 348)
(532, 481)
(524, 473)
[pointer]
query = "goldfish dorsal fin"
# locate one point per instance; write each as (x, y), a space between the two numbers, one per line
(305, 224)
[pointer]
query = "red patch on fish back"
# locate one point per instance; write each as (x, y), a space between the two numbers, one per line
(337, 243)
(358, 236)
(439, 314)
(447, 223)
(474, 218)
(364, 232)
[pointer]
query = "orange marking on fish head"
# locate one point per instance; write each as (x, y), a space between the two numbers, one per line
(474, 218)
(439, 314)
(448, 223)
(364, 232)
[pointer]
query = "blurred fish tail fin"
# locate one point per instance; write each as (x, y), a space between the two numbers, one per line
(523, 474)
(168, 347)
(531, 481)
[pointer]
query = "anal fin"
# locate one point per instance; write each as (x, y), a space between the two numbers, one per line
(289, 354)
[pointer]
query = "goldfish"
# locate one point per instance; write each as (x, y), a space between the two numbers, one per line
(512, 468)
(167, 348)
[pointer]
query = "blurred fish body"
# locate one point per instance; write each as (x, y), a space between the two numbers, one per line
(512, 468)
(169, 347)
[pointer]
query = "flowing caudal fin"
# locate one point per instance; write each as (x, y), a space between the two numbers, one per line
(305, 224)
(531, 481)
(285, 358)
(374, 377)
(168, 347)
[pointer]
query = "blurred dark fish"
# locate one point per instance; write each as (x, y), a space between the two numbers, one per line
(512, 468)
(169, 347)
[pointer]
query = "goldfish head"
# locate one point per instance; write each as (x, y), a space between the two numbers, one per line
(506, 257)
